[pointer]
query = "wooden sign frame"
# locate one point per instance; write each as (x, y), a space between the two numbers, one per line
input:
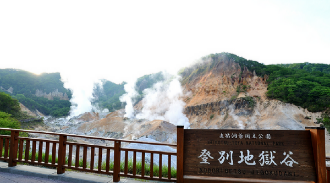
(317, 138)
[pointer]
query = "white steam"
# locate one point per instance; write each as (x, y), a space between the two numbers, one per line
(163, 102)
(128, 98)
(81, 86)
(235, 117)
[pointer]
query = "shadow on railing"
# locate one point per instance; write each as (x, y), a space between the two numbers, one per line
(60, 154)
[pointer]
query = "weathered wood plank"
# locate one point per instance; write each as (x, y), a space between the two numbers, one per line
(180, 147)
(107, 162)
(40, 152)
(126, 163)
(6, 147)
(318, 143)
(151, 165)
(54, 153)
(169, 167)
(85, 157)
(100, 160)
(20, 152)
(47, 153)
(70, 156)
(27, 150)
(76, 163)
(261, 154)
(143, 164)
(92, 158)
(34, 148)
(160, 166)
(134, 163)
(1, 146)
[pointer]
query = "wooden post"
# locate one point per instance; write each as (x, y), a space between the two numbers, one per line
(318, 143)
(13, 148)
(180, 143)
(328, 174)
(61, 154)
(116, 163)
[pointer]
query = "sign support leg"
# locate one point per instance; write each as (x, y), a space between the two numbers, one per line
(180, 140)
(318, 143)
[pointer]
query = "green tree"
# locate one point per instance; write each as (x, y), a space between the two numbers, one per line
(6, 121)
(8, 104)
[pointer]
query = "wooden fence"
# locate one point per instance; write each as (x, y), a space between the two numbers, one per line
(15, 149)
(60, 154)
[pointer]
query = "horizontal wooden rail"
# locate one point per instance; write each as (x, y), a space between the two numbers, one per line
(87, 157)
(148, 178)
(89, 137)
(38, 139)
(89, 145)
(148, 151)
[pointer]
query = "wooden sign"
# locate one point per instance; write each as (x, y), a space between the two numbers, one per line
(261, 154)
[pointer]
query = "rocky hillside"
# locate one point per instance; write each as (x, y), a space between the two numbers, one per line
(225, 95)
(44, 93)
(222, 82)
(222, 91)
(52, 95)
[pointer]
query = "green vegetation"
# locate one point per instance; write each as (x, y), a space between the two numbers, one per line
(304, 84)
(309, 90)
(207, 63)
(325, 119)
(25, 84)
(6, 121)
(250, 100)
(242, 88)
(108, 95)
(56, 107)
(234, 97)
(111, 165)
(139, 168)
(212, 116)
(324, 68)
(8, 104)
(190, 73)
(9, 111)
(12, 117)
(147, 81)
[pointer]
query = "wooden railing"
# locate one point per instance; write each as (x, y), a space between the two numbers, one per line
(59, 154)
(63, 154)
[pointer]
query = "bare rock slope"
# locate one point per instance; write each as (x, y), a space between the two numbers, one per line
(213, 101)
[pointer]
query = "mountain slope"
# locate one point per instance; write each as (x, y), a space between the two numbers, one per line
(221, 79)
(224, 93)
(305, 85)
(44, 92)
(107, 95)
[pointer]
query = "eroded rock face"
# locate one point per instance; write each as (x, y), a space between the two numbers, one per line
(221, 83)
(31, 113)
(214, 102)
(244, 114)
(10, 89)
(51, 95)
(89, 116)
(218, 107)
